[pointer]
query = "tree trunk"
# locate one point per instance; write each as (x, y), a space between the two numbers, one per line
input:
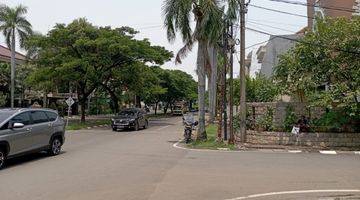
(156, 105)
(13, 65)
(82, 102)
(201, 89)
(113, 97)
(212, 85)
(137, 101)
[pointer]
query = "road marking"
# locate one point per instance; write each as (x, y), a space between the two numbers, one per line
(295, 151)
(328, 152)
(176, 145)
(293, 192)
(164, 127)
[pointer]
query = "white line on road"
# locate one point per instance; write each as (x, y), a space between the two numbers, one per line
(176, 145)
(293, 192)
(164, 127)
(295, 151)
(328, 152)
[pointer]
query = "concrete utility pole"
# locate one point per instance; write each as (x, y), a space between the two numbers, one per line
(226, 50)
(242, 73)
(231, 89)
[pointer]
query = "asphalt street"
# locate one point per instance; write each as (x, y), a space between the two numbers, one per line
(100, 164)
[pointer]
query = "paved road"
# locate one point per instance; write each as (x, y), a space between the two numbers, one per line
(103, 165)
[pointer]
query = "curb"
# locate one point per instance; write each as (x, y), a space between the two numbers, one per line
(323, 152)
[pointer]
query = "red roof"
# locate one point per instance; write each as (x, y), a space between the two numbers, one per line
(5, 52)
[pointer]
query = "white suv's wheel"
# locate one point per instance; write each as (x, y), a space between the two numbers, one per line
(2, 158)
(55, 148)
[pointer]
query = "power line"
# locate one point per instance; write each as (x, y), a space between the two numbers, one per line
(338, 8)
(280, 11)
(149, 27)
(300, 41)
(272, 27)
(276, 22)
(256, 44)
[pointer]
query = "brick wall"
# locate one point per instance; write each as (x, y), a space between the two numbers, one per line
(346, 141)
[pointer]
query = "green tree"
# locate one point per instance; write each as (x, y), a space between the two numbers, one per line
(208, 28)
(20, 84)
(258, 89)
(329, 57)
(180, 86)
(14, 25)
(86, 56)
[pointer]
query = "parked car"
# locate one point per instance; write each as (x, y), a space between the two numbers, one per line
(130, 118)
(29, 130)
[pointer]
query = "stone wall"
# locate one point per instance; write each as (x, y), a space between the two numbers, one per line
(346, 141)
(257, 110)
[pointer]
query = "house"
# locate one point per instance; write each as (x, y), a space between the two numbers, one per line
(277, 46)
(29, 95)
(332, 8)
(254, 60)
(280, 44)
(5, 56)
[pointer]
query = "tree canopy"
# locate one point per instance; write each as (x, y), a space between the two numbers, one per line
(86, 56)
(323, 67)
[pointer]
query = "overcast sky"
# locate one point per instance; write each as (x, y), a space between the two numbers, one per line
(146, 16)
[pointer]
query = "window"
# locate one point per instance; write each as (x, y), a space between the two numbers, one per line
(5, 126)
(52, 116)
(23, 118)
(39, 117)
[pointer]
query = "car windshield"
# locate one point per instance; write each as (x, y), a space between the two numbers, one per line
(4, 116)
(126, 113)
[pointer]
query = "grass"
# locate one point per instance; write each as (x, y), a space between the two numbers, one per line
(211, 142)
(77, 125)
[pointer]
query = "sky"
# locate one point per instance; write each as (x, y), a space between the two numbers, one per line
(146, 17)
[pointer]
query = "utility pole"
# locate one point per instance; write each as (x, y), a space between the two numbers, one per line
(242, 73)
(226, 50)
(231, 89)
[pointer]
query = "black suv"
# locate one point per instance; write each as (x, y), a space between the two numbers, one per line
(131, 118)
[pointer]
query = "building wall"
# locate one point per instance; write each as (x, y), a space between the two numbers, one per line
(342, 4)
(274, 49)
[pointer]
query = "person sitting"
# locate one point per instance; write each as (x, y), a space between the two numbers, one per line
(303, 124)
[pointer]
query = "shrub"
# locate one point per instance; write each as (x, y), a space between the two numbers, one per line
(290, 118)
(266, 121)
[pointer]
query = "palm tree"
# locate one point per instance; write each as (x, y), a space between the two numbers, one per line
(14, 24)
(208, 28)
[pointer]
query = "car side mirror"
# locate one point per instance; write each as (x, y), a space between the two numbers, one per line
(16, 125)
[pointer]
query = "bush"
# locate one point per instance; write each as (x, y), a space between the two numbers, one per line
(266, 121)
(337, 121)
(290, 119)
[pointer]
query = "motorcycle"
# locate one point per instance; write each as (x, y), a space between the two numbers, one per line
(189, 125)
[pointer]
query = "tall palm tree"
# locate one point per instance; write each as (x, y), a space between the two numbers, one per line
(13, 24)
(208, 28)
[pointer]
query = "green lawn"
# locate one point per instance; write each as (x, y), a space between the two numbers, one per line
(211, 142)
(77, 125)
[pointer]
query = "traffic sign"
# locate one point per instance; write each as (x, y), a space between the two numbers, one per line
(70, 101)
